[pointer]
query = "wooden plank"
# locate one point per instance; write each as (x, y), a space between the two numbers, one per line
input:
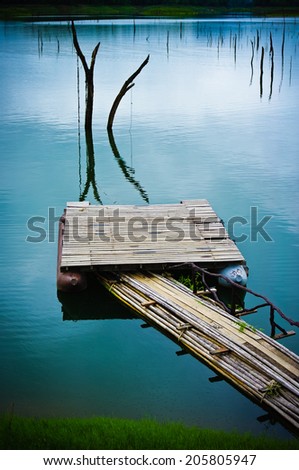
(78, 204)
(148, 303)
(220, 351)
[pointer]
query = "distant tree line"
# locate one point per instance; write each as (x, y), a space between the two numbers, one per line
(141, 3)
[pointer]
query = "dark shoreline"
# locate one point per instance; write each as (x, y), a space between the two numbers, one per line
(66, 13)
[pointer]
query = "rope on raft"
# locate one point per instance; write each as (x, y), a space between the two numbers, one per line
(267, 302)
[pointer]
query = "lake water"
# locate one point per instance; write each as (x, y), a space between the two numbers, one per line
(200, 122)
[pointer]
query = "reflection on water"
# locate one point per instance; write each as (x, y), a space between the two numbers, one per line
(90, 169)
(202, 126)
(127, 171)
(93, 303)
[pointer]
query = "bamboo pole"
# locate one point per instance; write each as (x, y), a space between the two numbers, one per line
(220, 338)
(275, 344)
(165, 323)
(263, 362)
(239, 368)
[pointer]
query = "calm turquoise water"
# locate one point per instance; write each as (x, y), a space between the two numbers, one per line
(198, 124)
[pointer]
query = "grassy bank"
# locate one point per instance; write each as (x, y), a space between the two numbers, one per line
(186, 11)
(108, 434)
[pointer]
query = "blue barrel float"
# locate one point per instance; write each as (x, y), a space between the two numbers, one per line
(236, 273)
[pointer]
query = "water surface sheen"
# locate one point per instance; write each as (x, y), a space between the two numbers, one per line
(200, 122)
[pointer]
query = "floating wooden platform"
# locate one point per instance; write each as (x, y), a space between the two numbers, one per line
(126, 247)
(127, 238)
(257, 365)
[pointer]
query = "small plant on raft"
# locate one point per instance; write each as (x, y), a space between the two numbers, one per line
(242, 325)
(188, 281)
(238, 308)
(272, 389)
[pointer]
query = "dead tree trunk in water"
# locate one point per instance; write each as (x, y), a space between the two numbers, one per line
(126, 87)
(262, 72)
(251, 62)
(272, 65)
(89, 86)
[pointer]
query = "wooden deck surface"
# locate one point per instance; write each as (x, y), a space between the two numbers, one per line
(257, 365)
(129, 237)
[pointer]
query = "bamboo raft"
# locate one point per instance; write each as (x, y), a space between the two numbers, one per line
(257, 365)
(126, 247)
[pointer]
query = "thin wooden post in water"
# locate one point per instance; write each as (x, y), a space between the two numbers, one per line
(251, 62)
(282, 57)
(272, 65)
(262, 71)
(235, 48)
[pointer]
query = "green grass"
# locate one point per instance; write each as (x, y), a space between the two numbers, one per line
(112, 433)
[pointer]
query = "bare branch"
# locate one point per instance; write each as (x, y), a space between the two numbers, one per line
(126, 87)
(78, 49)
